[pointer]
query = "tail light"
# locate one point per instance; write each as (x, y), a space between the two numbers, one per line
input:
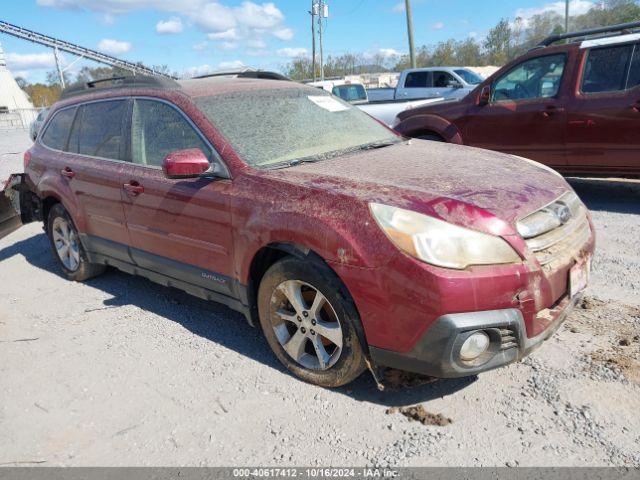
(26, 159)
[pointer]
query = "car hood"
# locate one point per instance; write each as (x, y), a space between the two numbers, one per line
(448, 181)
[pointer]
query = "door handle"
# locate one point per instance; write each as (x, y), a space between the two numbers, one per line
(134, 188)
(67, 172)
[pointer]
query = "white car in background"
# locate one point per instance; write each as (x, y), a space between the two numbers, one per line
(35, 126)
(354, 93)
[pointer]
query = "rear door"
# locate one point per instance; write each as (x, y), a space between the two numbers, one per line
(603, 124)
(93, 168)
(418, 84)
(526, 115)
(179, 228)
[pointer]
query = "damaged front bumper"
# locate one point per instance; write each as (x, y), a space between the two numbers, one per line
(18, 206)
(438, 352)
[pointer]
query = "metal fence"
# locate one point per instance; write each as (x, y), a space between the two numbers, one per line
(19, 119)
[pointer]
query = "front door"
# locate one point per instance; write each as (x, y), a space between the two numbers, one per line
(178, 228)
(603, 126)
(526, 115)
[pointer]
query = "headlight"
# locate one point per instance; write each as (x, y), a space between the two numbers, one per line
(441, 243)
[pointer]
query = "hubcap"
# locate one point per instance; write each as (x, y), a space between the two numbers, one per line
(306, 325)
(66, 244)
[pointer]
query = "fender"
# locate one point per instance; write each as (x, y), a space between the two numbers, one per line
(418, 124)
(330, 241)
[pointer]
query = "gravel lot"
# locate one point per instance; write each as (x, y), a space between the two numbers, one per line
(120, 371)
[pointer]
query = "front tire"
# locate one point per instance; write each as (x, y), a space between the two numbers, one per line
(310, 323)
(66, 247)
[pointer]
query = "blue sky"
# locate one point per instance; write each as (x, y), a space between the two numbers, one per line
(196, 36)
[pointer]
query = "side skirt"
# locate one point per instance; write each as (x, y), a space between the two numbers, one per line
(167, 281)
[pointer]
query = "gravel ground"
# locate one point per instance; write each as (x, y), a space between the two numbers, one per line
(120, 371)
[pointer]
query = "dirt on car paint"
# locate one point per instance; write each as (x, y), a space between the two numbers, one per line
(417, 413)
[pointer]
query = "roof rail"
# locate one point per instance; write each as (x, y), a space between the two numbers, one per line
(620, 29)
(246, 73)
(135, 81)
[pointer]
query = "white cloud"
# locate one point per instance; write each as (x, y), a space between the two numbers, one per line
(171, 26)
(30, 61)
(438, 26)
(283, 34)
(399, 7)
(389, 52)
(114, 47)
(293, 52)
(231, 34)
(265, 16)
(256, 43)
(231, 65)
(197, 71)
(576, 7)
(213, 17)
(228, 46)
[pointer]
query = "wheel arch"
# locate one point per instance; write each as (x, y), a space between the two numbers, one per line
(269, 254)
(431, 124)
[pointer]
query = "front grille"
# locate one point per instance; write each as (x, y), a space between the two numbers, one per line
(565, 241)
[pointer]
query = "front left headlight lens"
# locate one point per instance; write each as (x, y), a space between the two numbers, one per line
(441, 243)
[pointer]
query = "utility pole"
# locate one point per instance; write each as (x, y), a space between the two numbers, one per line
(566, 17)
(412, 50)
(323, 14)
(315, 10)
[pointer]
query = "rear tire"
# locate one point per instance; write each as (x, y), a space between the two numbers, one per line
(310, 323)
(66, 247)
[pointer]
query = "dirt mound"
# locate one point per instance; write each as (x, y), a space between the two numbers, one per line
(417, 413)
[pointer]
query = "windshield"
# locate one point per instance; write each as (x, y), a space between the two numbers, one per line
(470, 77)
(276, 126)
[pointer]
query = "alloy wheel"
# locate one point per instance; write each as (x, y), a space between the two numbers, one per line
(66, 244)
(306, 325)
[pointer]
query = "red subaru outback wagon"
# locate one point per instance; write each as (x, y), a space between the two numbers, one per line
(352, 247)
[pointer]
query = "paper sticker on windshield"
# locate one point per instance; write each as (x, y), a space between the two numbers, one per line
(328, 103)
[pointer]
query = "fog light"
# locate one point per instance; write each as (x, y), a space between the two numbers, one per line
(474, 346)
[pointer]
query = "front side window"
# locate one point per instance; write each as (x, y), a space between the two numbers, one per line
(157, 129)
(57, 132)
(442, 79)
(606, 69)
(418, 80)
(284, 125)
(538, 77)
(98, 131)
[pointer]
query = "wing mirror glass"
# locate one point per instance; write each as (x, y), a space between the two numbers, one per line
(189, 163)
(485, 96)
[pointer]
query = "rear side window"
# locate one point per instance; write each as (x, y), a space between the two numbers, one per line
(418, 80)
(157, 129)
(606, 69)
(350, 93)
(98, 130)
(57, 132)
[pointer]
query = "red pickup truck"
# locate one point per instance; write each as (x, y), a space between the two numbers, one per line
(573, 106)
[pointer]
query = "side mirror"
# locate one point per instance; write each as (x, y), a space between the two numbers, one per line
(485, 96)
(189, 163)
(455, 84)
